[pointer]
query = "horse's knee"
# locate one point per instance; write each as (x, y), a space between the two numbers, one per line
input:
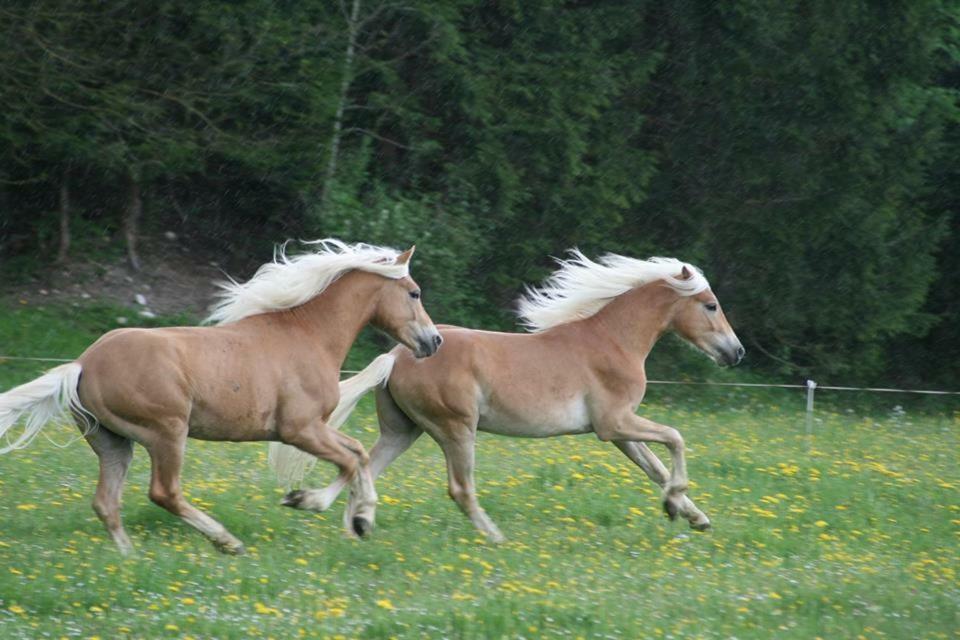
(676, 488)
(350, 468)
(458, 494)
(673, 439)
(357, 449)
(462, 496)
(163, 498)
(102, 509)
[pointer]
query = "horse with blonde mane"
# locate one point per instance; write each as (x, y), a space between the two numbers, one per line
(580, 370)
(268, 370)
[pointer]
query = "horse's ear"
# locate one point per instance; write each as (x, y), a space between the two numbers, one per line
(685, 273)
(404, 257)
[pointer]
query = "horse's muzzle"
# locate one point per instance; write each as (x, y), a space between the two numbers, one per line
(428, 345)
(734, 355)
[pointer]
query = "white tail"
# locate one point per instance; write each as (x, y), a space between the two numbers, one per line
(291, 464)
(51, 396)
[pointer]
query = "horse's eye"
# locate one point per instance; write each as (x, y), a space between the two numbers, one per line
(711, 306)
(415, 295)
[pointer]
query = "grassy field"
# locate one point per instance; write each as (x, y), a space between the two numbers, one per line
(852, 533)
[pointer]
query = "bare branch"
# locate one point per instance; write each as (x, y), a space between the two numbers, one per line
(377, 136)
(187, 106)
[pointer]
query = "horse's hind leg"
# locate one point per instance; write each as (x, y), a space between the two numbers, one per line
(166, 455)
(115, 453)
(643, 457)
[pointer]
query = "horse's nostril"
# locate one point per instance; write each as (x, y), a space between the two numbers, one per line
(437, 340)
(741, 352)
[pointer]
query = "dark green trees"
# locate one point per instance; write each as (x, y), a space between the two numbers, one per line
(802, 153)
(796, 143)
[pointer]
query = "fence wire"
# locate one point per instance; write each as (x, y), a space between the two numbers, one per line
(809, 386)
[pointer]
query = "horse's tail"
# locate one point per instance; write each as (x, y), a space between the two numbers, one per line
(51, 396)
(291, 464)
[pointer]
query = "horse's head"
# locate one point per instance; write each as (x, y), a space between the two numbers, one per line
(400, 313)
(700, 320)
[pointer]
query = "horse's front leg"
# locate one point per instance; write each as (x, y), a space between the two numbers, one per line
(647, 460)
(630, 427)
(349, 456)
(166, 456)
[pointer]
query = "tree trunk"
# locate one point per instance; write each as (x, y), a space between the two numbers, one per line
(131, 221)
(352, 27)
(64, 249)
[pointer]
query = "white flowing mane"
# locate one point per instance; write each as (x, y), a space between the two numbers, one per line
(581, 287)
(290, 281)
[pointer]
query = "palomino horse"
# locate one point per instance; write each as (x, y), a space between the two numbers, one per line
(581, 370)
(268, 371)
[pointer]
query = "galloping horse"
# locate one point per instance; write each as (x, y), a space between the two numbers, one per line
(267, 371)
(581, 370)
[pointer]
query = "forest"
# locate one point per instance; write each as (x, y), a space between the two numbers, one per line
(805, 155)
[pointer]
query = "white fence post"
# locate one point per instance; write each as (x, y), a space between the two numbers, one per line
(811, 385)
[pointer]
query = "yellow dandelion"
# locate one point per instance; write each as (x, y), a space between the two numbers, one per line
(264, 610)
(384, 603)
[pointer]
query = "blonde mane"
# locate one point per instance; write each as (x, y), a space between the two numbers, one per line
(581, 287)
(290, 281)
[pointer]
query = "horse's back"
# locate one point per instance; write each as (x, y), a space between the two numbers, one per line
(206, 377)
(138, 348)
(134, 372)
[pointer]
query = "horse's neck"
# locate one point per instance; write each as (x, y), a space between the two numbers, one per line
(333, 319)
(635, 320)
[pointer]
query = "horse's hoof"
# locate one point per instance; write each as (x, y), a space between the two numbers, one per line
(126, 549)
(670, 509)
(293, 498)
(700, 526)
(231, 548)
(361, 526)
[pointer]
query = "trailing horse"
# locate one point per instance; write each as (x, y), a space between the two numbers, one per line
(267, 371)
(581, 370)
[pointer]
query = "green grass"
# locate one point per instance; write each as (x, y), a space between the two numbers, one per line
(853, 532)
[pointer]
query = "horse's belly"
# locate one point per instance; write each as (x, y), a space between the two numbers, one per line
(558, 420)
(241, 422)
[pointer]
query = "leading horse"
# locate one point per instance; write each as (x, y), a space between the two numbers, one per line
(581, 370)
(268, 370)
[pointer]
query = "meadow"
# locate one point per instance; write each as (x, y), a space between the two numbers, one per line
(853, 532)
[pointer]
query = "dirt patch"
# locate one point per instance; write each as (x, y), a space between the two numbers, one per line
(173, 279)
